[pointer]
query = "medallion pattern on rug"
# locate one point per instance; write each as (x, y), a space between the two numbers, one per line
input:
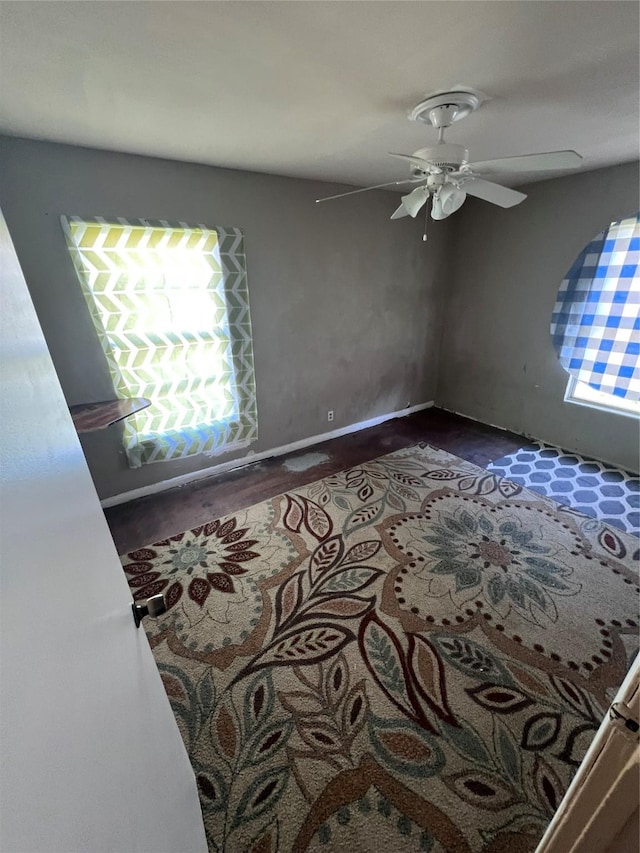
(411, 655)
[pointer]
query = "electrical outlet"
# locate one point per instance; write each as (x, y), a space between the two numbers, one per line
(330, 415)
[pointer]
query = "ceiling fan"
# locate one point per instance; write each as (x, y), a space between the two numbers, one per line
(443, 171)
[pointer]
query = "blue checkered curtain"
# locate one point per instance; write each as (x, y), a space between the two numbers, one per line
(595, 324)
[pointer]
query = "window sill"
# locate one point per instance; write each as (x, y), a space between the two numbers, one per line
(582, 394)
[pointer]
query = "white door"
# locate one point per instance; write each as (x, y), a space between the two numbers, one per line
(90, 754)
(599, 812)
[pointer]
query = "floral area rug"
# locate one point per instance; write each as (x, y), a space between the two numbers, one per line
(412, 655)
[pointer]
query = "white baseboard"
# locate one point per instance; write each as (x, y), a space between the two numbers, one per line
(251, 457)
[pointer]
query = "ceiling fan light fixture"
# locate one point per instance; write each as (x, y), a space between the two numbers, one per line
(415, 200)
(447, 200)
(436, 209)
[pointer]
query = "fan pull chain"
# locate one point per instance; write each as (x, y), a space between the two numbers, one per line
(426, 220)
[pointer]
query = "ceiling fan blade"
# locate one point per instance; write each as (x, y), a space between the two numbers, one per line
(493, 193)
(531, 162)
(414, 201)
(365, 189)
(424, 165)
(399, 212)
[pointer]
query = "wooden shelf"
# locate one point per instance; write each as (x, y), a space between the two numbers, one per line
(89, 417)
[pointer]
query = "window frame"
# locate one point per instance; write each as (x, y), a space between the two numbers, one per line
(572, 395)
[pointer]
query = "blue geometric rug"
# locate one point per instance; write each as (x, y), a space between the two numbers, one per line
(593, 488)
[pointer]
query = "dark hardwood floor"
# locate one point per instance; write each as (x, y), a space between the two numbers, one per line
(147, 520)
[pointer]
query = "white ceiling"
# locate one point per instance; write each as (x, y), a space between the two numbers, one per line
(320, 89)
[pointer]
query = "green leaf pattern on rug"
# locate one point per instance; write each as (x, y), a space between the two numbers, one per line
(262, 795)
(363, 516)
(183, 698)
(507, 751)
(214, 790)
(329, 714)
(372, 489)
(206, 691)
(234, 784)
(344, 699)
(482, 789)
(258, 702)
(472, 659)
(350, 580)
(267, 742)
(384, 659)
(467, 743)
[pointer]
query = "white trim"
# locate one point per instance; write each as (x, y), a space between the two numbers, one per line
(571, 396)
(251, 457)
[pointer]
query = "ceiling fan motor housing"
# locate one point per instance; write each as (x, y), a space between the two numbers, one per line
(447, 156)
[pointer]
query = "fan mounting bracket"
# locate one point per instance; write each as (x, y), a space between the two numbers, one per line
(442, 109)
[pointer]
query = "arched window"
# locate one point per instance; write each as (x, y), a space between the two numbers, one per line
(595, 324)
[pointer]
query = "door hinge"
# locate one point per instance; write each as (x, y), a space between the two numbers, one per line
(622, 717)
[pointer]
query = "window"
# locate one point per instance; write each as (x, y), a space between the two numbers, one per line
(585, 395)
(596, 321)
(170, 306)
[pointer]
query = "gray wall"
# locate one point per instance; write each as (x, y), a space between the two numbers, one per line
(497, 362)
(346, 306)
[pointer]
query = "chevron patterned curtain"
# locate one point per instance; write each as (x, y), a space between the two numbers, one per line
(170, 305)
